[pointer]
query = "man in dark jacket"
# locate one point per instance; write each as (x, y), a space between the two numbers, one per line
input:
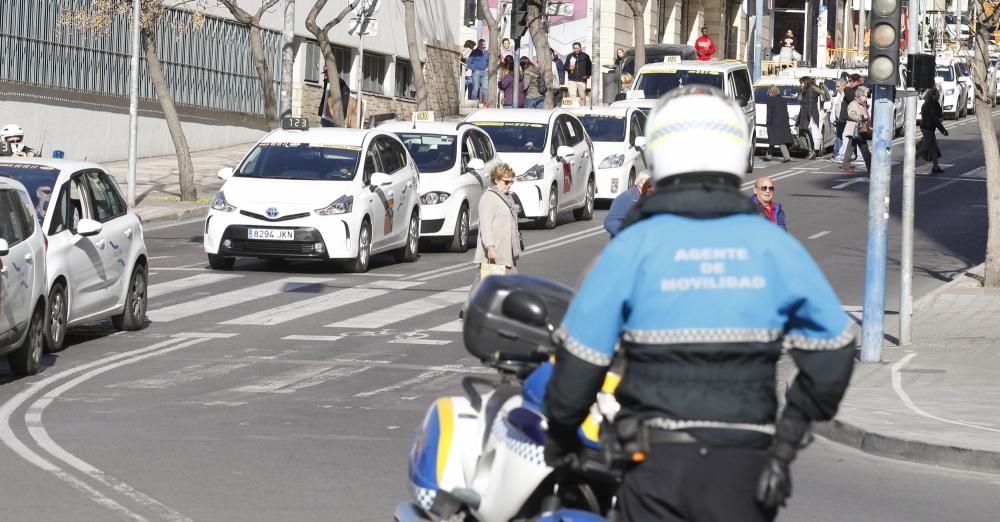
(808, 120)
(764, 203)
(325, 114)
(577, 73)
(623, 204)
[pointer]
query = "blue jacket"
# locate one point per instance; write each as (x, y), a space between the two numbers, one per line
(478, 60)
(701, 307)
(778, 212)
(620, 208)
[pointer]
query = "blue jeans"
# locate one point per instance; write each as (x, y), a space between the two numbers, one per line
(480, 87)
(468, 88)
(535, 103)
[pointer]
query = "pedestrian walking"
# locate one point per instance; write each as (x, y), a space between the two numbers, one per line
(704, 46)
(578, 69)
(931, 118)
(507, 84)
(558, 78)
(859, 129)
(764, 203)
(466, 71)
(808, 119)
(699, 421)
(479, 63)
(779, 133)
(534, 85)
(624, 202)
(838, 124)
(855, 81)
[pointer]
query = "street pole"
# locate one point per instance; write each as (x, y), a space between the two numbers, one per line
(595, 50)
(872, 326)
(287, 58)
(862, 22)
(758, 28)
(909, 189)
(133, 103)
(361, 69)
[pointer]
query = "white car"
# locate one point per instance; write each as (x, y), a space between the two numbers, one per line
(645, 105)
(829, 78)
(619, 136)
(954, 96)
(321, 194)
(96, 257)
(455, 164)
(965, 77)
(552, 157)
(789, 88)
(22, 280)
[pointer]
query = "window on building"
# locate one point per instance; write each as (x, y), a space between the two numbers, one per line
(344, 63)
(314, 63)
(374, 70)
(404, 80)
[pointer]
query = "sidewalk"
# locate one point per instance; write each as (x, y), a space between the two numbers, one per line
(938, 400)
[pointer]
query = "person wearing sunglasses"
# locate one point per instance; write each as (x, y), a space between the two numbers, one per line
(765, 204)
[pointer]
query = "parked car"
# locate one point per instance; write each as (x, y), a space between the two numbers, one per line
(789, 88)
(96, 258)
(22, 280)
(455, 164)
(658, 53)
(619, 135)
(965, 77)
(954, 95)
(552, 157)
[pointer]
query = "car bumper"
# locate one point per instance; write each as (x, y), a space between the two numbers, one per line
(532, 197)
(612, 182)
(315, 237)
(439, 220)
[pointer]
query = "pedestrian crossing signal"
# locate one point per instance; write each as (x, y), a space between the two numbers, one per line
(883, 52)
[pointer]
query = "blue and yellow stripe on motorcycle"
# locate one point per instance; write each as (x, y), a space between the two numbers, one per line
(429, 456)
(446, 418)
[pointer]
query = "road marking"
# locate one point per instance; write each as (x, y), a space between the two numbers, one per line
(161, 257)
(234, 298)
(404, 311)
(189, 374)
(453, 326)
(819, 235)
(294, 380)
(323, 303)
(434, 342)
(377, 274)
(177, 285)
(313, 338)
(938, 187)
(850, 182)
(167, 268)
(897, 385)
(423, 377)
(204, 335)
(193, 265)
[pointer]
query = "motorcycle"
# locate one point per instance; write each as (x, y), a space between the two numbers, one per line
(480, 456)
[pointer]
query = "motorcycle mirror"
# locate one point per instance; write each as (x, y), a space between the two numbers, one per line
(527, 308)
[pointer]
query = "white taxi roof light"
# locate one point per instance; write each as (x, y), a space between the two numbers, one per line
(635, 94)
(293, 123)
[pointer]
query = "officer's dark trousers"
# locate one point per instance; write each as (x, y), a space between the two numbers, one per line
(694, 483)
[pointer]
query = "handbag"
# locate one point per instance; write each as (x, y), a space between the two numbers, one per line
(491, 269)
(864, 130)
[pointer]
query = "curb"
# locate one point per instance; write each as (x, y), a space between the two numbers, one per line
(172, 218)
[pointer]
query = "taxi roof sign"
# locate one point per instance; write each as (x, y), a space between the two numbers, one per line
(671, 59)
(423, 116)
(293, 123)
(635, 94)
(571, 103)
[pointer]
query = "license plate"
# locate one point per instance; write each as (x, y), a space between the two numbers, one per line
(762, 132)
(271, 234)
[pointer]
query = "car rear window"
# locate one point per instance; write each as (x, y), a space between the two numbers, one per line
(38, 179)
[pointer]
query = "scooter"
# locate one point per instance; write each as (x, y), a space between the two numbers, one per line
(480, 456)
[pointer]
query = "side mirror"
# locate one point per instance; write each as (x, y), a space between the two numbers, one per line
(381, 179)
(565, 152)
(827, 106)
(475, 164)
(640, 141)
(89, 227)
(4, 247)
(526, 307)
(225, 173)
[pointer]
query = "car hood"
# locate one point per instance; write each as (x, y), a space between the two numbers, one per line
(257, 195)
(439, 181)
(522, 162)
(603, 149)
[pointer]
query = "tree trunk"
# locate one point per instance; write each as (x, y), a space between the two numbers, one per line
(494, 50)
(639, 31)
(416, 65)
(987, 133)
(264, 74)
(185, 169)
(536, 26)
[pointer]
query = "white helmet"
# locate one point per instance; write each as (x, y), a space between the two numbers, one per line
(697, 130)
(11, 131)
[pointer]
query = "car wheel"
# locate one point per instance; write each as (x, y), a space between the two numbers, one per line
(218, 262)
(133, 317)
(586, 212)
(460, 241)
(410, 251)
(360, 264)
(55, 319)
(549, 220)
(28, 358)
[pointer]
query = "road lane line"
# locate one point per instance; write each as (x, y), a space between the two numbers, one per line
(938, 187)
(897, 385)
(423, 377)
(849, 183)
(300, 378)
(819, 235)
(453, 326)
(313, 338)
(406, 310)
(431, 342)
(188, 374)
(177, 285)
(232, 299)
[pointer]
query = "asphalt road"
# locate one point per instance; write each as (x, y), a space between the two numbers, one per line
(282, 391)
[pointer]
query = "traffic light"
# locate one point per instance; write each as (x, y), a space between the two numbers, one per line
(518, 19)
(883, 51)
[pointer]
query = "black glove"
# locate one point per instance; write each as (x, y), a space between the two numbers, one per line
(775, 483)
(944, 131)
(562, 445)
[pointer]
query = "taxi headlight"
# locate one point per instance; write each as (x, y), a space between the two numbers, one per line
(612, 162)
(343, 205)
(220, 203)
(433, 198)
(949, 92)
(532, 174)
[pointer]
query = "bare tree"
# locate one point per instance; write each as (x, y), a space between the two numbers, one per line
(257, 52)
(987, 17)
(494, 50)
(98, 17)
(638, 8)
(322, 35)
(416, 64)
(540, 38)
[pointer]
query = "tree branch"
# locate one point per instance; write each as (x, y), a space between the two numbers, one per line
(333, 23)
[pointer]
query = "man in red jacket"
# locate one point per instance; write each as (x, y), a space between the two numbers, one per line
(704, 46)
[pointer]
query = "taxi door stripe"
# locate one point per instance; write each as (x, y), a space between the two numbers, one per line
(232, 299)
(404, 311)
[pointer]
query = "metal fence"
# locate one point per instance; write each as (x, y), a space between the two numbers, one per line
(209, 67)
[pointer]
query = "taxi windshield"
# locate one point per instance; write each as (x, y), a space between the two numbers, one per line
(431, 152)
(946, 74)
(515, 137)
(604, 127)
(301, 161)
(654, 84)
(789, 92)
(38, 179)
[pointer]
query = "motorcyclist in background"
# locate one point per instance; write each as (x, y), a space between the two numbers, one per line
(12, 136)
(701, 297)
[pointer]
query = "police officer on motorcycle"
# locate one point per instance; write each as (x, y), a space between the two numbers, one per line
(700, 297)
(12, 136)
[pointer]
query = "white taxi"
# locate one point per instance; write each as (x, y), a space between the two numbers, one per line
(552, 157)
(22, 280)
(454, 163)
(619, 135)
(645, 105)
(953, 93)
(322, 194)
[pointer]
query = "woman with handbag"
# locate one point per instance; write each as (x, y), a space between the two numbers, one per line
(779, 133)
(931, 117)
(859, 129)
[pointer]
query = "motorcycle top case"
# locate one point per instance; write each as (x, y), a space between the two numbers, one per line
(487, 330)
